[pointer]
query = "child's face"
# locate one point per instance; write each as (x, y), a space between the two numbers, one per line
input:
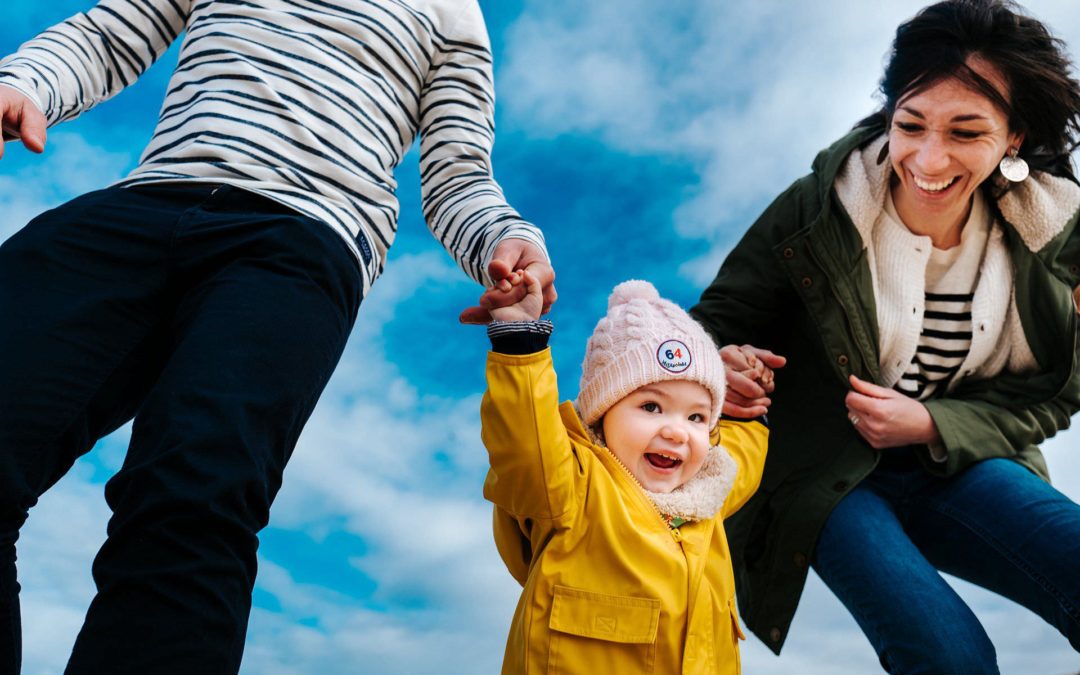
(660, 432)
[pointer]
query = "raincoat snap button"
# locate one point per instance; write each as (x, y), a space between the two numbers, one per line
(807, 282)
(1074, 269)
(775, 635)
(842, 359)
(789, 253)
(840, 485)
(799, 559)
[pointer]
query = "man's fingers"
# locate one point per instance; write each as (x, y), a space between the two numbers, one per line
(474, 315)
(550, 296)
(498, 269)
(21, 119)
(32, 129)
(544, 272)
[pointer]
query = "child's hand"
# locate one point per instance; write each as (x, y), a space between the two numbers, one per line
(526, 309)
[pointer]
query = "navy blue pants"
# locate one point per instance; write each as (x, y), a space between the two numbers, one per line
(995, 524)
(212, 316)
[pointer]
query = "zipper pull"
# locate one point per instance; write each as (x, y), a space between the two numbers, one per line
(677, 534)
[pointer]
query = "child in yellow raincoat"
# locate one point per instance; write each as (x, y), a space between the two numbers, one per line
(609, 511)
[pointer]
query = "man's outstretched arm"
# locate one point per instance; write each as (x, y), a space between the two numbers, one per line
(83, 61)
(464, 206)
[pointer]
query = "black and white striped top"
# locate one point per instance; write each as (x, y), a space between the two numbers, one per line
(945, 340)
(944, 343)
(309, 102)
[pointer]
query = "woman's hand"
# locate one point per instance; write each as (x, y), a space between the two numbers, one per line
(888, 419)
(749, 374)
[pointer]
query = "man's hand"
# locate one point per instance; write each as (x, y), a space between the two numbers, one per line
(513, 255)
(21, 119)
(888, 419)
(748, 371)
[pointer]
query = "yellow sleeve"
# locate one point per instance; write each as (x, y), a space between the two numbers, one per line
(747, 443)
(532, 462)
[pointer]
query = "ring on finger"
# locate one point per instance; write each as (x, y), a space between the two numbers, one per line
(854, 419)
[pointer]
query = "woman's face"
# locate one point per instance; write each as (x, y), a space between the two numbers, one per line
(943, 143)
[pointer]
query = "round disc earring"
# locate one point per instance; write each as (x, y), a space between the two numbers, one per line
(1013, 167)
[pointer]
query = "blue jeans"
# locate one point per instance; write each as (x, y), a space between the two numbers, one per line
(995, 524)
(214, 317)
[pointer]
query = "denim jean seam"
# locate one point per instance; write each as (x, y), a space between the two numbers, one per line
(997, 545)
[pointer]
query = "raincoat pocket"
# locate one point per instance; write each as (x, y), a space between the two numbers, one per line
(597, 632)
(728, 634)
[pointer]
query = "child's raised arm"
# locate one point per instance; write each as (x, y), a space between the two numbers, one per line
(532, 463)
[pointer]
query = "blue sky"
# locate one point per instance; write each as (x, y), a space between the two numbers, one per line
(643, 137)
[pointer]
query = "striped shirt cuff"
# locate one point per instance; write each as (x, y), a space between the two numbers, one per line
(519, 337)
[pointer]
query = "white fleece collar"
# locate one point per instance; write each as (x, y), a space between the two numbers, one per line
(1038, 208)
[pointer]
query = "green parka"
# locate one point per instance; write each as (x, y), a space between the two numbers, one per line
(799, 283)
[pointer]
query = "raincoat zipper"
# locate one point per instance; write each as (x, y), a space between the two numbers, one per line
(644, 493)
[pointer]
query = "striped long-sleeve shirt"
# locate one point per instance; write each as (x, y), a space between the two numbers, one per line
(309, 102)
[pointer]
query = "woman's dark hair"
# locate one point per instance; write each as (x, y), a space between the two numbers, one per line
(1044, 99)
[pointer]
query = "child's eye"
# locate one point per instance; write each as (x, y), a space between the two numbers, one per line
(697, 417)
(650, 407)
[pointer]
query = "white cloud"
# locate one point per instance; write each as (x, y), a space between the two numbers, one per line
(72, 166)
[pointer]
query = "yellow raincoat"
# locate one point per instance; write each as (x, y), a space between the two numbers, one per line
(609, 587)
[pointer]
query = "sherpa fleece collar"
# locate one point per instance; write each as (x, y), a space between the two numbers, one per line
(701, 497)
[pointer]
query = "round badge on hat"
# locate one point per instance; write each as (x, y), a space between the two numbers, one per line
(674, 356)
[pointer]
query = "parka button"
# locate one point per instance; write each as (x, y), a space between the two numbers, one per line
(842, 359)
(789, 253)
(1074, 269)
(775, 635)
(807, 282)
(840, 486)
(799, 559)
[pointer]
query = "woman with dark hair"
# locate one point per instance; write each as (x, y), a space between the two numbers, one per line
(921, 283)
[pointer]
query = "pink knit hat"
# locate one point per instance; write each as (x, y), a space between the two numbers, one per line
(645, 339)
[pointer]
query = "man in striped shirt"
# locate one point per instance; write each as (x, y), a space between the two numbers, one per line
(210, 293)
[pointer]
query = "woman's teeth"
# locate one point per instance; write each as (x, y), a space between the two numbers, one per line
(934, 187)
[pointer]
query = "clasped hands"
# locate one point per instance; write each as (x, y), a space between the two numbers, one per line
(521, 277)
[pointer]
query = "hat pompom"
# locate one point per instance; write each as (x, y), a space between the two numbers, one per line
(635, 289)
